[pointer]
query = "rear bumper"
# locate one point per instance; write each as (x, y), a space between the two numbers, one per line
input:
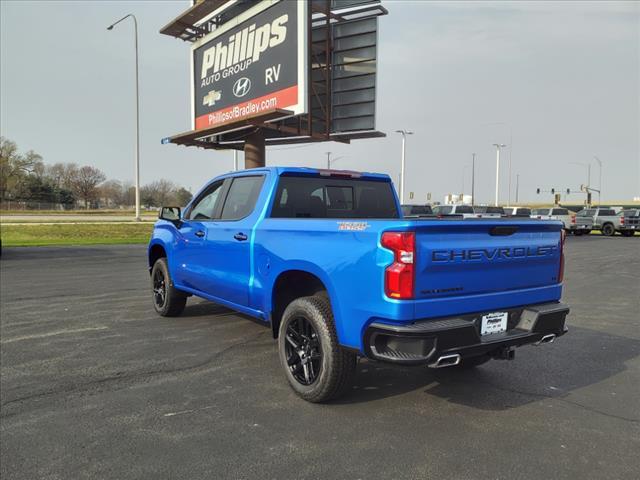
(424, 341)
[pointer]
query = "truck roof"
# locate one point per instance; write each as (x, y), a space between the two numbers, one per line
(279, 170)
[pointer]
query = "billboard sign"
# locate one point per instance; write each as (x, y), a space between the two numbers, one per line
(253, 63)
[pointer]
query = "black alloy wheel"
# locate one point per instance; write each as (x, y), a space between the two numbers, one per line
(303, 351)
(317, 367)
(159, 288)
(168, 301)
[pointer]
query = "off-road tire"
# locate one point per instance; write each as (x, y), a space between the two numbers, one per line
(608, 230)
(337, 365)
(172, 302)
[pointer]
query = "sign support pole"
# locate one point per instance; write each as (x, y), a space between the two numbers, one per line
(254, 151)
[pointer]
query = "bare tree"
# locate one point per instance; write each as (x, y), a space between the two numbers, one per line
(128, 194)
(69, 175)
(111, 193)
(158, 193)
(85, 183)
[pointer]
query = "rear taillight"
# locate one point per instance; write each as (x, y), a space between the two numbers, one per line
(621, 220)
(573, 219)
(561, 271)
(398, 277)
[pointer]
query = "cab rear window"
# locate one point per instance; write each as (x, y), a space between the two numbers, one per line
(320, 197)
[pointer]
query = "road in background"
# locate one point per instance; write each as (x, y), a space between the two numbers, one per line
(95, 385)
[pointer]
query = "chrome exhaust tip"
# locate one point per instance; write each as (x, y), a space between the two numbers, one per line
(546, 339)
(446, 361)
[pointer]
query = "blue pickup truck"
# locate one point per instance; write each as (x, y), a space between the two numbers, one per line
(326, 259)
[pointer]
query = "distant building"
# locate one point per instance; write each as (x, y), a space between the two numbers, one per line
(457, 199)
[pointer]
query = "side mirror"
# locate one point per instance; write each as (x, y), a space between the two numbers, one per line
(171, 214)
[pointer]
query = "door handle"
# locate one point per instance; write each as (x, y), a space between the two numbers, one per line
(200, 233)
(241, 237)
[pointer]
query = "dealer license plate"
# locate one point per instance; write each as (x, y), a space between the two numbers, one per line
(494, 323)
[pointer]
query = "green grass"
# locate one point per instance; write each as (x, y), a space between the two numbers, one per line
(79, 234)
(143, 213)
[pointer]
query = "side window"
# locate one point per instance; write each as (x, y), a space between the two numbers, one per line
(204, 207)
(242, 197)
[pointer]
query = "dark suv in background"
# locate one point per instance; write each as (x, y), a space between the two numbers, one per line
(629, 222)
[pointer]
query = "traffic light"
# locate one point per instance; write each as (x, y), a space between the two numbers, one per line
(553, 191)
(538, 191)
(568, 191)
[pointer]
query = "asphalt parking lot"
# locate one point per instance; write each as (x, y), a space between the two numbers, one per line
(95, 385)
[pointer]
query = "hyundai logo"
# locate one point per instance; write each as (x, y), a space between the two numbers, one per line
(241, 87)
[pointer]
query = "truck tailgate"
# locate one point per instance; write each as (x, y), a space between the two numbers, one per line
(584, 221)
(474, 257)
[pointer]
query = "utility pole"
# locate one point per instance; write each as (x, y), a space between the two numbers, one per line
(404, 134)
(473, 179)
(517, 186)
(137, 155)
(498, 147)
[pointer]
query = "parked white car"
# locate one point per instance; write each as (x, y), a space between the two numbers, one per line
(517, 211)
(465, 210)
(486, 211)
(572, 223)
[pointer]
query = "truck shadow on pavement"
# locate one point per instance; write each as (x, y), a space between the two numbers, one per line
(205, 308)
(581, 358)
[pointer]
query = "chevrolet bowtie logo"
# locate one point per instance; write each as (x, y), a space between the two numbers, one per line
(211, 98)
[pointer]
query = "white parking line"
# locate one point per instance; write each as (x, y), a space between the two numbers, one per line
(52, 334)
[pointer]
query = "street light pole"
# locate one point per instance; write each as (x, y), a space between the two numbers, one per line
(404, 134)
(332, 160)
(473, 179)
(137, 155)
(498, 147)
(599, 180)
(510, 151)
(517, 186)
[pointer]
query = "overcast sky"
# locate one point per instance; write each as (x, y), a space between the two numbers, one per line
(561, 79)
